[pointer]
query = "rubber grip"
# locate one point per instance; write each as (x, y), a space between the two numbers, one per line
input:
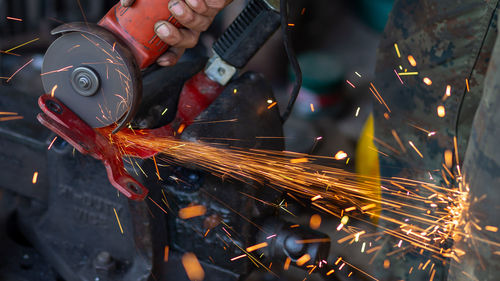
(135, 26)
(247, 34)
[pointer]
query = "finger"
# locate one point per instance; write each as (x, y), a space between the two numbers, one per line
(127, 3)
(198, 6)
(214, 7)
(176, 37)
(171, 57)
(217, 4)
(187, 17)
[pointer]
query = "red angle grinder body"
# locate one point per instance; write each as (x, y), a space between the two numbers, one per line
(111, 55)
(135, 26)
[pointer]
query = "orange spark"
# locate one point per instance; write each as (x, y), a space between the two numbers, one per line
(257, 247)
(35, 177)
(10, 118)
(491, 228)
(415, 148)
(181, 128)
(165, 256)
(412, 60)
(350, 209)
(272, 105)
(448, 91)
(315, 221)
(118, 220)
(340, 155)
(369, 206)
(192, 212)
(299, 160)
(52, 143)
(287, 263)
(303, 260)
(448, 158)
(16, 19)
(427, 81)
(317, 197)
(58, 70)
(193, 267)
(157, 170)
(441, 111)
(53, 92)
(17, 71)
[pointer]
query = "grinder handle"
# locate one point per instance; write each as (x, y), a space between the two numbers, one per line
(135, 26)
(248, 32)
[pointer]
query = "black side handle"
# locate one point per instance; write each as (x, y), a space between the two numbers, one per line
(249, 32)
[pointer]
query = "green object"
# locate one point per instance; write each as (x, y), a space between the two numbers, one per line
(376, 12)
(321, 72)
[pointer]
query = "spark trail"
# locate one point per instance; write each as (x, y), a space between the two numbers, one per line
(425, 220)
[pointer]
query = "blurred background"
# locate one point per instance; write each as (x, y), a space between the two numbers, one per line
(336, 44)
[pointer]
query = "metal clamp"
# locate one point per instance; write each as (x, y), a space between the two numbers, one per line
(219, 71)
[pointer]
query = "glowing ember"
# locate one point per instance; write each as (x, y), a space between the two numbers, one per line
(340, 155)
(193, 267)
(412, 61)
(397, 50)
(303, 260)
(192, 212)
(441, 111)
(257, 247)
(427, 81)
(315, 221)
(35, 177)
(118, 220)
(165, 256)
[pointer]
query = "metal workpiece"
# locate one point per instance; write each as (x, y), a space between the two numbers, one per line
(219, 71)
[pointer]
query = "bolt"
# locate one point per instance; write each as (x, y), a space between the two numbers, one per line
(84, 82)
(293, 248)
(104, 263)
(103, 258)
(221, 71)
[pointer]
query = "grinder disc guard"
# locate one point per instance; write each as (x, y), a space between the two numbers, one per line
(93, 74)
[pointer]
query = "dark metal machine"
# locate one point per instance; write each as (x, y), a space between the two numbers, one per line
(67, 225)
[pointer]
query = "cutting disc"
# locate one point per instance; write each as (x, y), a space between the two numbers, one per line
(93, 74)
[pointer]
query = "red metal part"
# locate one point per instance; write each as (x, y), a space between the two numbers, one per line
(197, 94)
(135, 26)
(58, 118)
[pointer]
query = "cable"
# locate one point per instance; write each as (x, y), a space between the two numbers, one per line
(292, 58)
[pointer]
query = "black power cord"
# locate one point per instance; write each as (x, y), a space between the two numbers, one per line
(290, 52)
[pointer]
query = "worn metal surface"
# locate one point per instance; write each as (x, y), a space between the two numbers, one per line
(481, 171)
(451, 41)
